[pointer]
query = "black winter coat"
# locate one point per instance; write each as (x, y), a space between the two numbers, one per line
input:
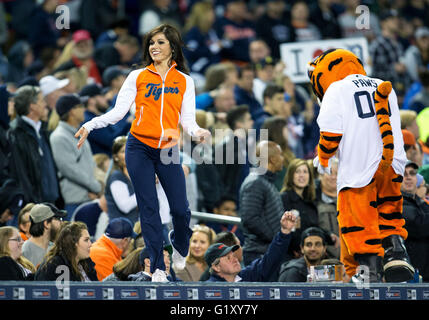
(416, 215)
(294, 271)
(25, 164)
(49, 272)
(260, 210)
(10, 270)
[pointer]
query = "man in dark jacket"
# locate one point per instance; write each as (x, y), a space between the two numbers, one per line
(32, 164)
(416, 215)
(4, 126)
(260, 203)
(313, 248)
(234, 165)
(224, 265)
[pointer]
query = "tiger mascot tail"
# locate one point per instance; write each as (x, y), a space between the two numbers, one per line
(381, 98)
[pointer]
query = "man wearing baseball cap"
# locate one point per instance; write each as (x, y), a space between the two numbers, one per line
(45, 221)
(225, 267)
(410, 144)
(75, 167)
(83, 55)
(110, 247)
(52, 89)
(313, 248)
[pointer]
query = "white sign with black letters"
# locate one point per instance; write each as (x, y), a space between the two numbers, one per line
(297, 55)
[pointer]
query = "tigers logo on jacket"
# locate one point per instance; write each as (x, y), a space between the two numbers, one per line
(158, 106)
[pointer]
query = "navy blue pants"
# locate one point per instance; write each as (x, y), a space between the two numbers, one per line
(143, 162)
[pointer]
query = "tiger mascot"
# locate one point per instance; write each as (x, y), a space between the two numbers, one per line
(359, 123)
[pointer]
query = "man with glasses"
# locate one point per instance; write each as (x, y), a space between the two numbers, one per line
(416, 215)
(45, 221)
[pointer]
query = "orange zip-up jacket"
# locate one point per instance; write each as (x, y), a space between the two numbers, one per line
(160, 105)
(105, 255)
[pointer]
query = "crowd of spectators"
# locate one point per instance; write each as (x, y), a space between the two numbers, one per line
(61, 68)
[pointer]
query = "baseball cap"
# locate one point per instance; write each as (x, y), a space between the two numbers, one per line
(409, 139)
(119, 228)
(390, 13)
(218, 250)
(90, 90)
(66, 103)
(49, 84)
(421, 32)
(267, 61)
(41, 212)
(57, 212)
(313, 231)
(112, 73)
(81, 35)
(412, 164)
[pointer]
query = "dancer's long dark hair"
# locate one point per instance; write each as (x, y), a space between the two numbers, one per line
(176, 44)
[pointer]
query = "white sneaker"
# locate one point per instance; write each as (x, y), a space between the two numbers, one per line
(159, 276)
(179, 262)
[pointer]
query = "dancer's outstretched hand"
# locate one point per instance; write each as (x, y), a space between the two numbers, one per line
(83, 134)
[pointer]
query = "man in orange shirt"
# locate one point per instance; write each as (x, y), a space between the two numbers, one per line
(108, 249)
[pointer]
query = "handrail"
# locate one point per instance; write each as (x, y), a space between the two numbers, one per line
(215, 217)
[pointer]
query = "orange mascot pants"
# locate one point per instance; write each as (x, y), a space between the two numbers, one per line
(369, 214)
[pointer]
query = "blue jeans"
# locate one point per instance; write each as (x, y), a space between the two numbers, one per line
(143, 162)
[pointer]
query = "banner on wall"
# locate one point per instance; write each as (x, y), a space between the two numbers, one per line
(296, 55)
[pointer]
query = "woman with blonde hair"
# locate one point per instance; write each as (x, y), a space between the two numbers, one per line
(202, 237)
(13, 265)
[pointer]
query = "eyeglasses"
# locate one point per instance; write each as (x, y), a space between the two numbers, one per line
(411, 173)
(18, 239)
